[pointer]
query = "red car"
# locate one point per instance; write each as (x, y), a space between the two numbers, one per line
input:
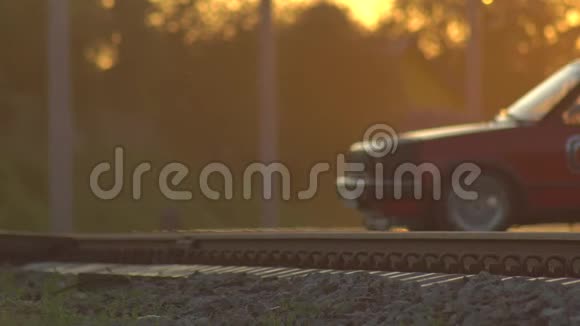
(528, 159)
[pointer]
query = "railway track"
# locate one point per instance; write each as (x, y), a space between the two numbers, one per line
(106, 272)
(510, 254)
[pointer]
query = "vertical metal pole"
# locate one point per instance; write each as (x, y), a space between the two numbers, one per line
(60, 120)
(474, 61)
(268, 107)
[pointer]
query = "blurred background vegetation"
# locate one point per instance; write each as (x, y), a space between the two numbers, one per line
(177, 80)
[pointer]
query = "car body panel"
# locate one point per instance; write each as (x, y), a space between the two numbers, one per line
(534, 157)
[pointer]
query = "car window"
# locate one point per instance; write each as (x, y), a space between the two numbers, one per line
(572, 115)
(539, 101)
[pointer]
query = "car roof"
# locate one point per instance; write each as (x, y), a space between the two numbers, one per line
(576, 64)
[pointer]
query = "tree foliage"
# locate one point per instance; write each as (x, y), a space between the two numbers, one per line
(177, 80)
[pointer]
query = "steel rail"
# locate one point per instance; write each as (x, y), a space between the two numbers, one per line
(524, 254)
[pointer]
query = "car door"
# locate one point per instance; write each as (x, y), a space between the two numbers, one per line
(560, 163)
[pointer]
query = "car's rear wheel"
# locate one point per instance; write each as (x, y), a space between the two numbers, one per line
(491, 211)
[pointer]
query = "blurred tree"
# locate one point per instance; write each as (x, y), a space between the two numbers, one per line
(176, 80)
(23, 118)
(523, 40)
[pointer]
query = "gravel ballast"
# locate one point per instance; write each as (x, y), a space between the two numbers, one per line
(317, 299)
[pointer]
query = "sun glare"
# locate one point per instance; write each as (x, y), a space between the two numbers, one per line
(369, 13)
(200, 19)
(108, 4)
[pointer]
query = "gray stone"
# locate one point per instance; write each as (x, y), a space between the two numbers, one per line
(153, 320)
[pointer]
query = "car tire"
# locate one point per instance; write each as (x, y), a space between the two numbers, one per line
(492, 210)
